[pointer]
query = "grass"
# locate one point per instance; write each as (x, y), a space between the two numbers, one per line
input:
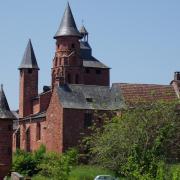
(87, 172)
(82, 173)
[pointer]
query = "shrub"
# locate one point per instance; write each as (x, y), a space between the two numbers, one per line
(26, 163)
(58, 166)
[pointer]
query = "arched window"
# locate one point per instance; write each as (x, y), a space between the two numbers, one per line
(17, 139)
(28, 138)
(69, 78)
(77, 79)
(38, 131)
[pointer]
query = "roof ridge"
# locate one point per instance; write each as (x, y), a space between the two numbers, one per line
(143, 84)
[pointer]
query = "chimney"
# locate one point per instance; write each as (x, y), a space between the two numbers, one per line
(177, 76)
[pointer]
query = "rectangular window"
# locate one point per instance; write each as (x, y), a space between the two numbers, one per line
(87, 70)
(98, 71)
(89, 99)
(87, 120)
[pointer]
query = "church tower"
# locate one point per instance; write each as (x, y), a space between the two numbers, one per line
(67, 65)
(28, 81)
(6, 130)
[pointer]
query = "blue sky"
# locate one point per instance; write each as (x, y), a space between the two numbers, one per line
(138, 39)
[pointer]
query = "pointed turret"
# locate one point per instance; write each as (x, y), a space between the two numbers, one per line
(5, 112)
(68, 25)
(84, 33)
(29, 58)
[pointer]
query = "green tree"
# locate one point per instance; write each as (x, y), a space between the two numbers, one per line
(134, 144)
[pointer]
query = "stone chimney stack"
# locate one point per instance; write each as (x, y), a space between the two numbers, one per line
(177, 76)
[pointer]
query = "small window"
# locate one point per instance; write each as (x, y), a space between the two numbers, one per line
(87, 70)
(87, 120)
(77, 79)
(98, 71)
(9, 127)
(30, 71)
(73, 46)
(89, 99)
(58, 46)
(9, 151)
(69, 78)
(38, 131)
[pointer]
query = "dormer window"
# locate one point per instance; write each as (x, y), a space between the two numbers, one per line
(89, 99)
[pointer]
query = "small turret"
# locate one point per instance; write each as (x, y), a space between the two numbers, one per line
(28, 81)
(6, 124)
(67, 65)
(68, 25)
(84, 33)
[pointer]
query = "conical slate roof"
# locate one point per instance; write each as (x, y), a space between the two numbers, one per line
(83, 30)
(68, 25)
(5, 112)
(29, 58)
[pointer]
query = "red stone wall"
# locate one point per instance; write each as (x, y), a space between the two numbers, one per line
(44, 101)
(32, 126)
(28, 90)
(67, 61)
(92, 78)
(5, 146)
(73, 127)
(36, 106)
(54, 115)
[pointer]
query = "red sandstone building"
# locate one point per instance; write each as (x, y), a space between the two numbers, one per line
(80, 86)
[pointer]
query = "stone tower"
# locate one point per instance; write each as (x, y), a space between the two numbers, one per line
(28, 81)
(6, 130)
(67, 65)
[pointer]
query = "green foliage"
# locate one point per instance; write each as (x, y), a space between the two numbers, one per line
(26, 163)
(137, 143)
(87, 172)
(51, 165)
(58, 166)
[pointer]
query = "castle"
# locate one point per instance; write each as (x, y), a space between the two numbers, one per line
(79, 93)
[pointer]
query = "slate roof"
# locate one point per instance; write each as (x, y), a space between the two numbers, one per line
(29, 58)
(133, 93)
(88, 97)
(88, 59)
(68, 25)
(5, 112)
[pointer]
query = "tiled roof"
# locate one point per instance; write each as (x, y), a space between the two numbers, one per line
(90, 97)
(134, 93)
